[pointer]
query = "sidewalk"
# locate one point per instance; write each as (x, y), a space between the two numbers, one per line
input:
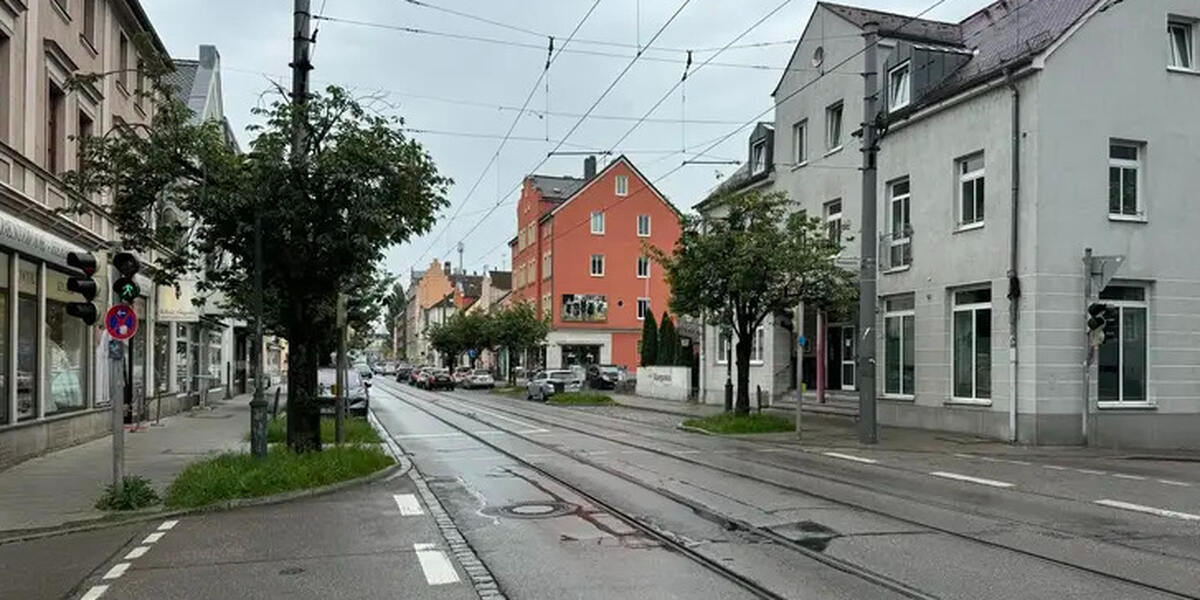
(60, 488)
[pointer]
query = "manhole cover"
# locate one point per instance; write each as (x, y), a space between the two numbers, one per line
(535, 510)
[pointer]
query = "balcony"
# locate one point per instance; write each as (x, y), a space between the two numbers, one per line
(895, 250)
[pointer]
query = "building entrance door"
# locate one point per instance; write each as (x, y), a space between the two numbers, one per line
(840, 357)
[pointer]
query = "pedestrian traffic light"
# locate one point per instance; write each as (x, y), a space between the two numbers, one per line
(84, 286)
(125, 287)
(1103, 321)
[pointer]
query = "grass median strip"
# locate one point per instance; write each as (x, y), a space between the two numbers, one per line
(733, 423)
(239, 475)
(579, 399)
(358, 431)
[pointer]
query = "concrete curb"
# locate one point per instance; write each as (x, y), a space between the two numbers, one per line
(663, 411)
(683, 427)
(155, 513)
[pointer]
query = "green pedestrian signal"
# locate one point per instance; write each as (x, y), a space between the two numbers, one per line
(125, 288)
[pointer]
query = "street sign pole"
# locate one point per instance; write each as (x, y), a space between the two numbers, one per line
(118, 445)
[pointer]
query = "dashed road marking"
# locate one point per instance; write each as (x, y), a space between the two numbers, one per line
(682, 452)
(596, 452)
(1162, 512)
(961, 455)
(436, 565)
(168, 525)
(117, 570)
(1092, 471)
(1125, 476)
(408, 504)
(773, 449)
(869, 461)
(1173, 482)
(1055, 467)
(154, 537)
(1015, 462)
(94, 592)
(969, 479)
(138, 552)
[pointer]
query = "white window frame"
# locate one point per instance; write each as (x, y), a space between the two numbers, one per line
(899, 237)
(646, 231)
(622, 185)
(597, 222)
(973, 308)
(833, 135)
(901, 313)
(1124, 164)
(1121, 306)
(592, 265)
(643, 308)
(758, 346)
(643, 267)
(758, 157)
(834, 219)
(1182, 59)
(800, 143)
(974, 178)
(724, 346)
(900, 93)
(546, 262)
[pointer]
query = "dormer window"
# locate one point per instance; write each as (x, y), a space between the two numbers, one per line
(899, 84)
(758, 157)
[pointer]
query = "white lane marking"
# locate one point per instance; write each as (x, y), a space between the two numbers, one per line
(154, 537)
(436, 565)
(408, 504)
(94, 593)
(969, 479)
(773, 449)
(167, 525)
(1092, 471)
(988, 459)
(426, 436)
(1162, 512)
(1015, 462)
(117, 570)
(1055, 467)
(681, 452)
(1173, 482)
(1124, 476)
(961, 455)
(596, 452)
(138, 552)
(869, 461)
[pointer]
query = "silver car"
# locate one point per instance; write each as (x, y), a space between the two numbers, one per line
(548, 383)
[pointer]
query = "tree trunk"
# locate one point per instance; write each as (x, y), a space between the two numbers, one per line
(304, 414)
(742, 357)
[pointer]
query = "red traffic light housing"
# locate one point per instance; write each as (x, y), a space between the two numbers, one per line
(84, 286)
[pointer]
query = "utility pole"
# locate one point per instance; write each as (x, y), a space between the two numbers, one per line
(343, 377)
(799, 329)
(1088, 271)
(868, 432)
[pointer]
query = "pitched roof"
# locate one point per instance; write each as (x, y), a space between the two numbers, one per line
(619, 160)
(555, 187)
(894, 25)
(183, 77)
(501, 280)
(470, 285)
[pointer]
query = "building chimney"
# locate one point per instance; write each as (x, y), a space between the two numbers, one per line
(589, 167)
(446, 268)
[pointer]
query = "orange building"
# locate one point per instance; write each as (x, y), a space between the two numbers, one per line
(580, 256)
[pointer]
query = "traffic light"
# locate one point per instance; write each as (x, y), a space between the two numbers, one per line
(84, 286)
(125, 287)
(1103, 322)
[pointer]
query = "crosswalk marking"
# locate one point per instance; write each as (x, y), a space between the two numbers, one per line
(408, 504)
(436, 565)
(138, 552)
(117, 570)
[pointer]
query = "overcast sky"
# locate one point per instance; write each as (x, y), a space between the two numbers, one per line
(484, 83)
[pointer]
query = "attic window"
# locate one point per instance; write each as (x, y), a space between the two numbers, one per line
(758, 157)
(818, 56)
(899, 84)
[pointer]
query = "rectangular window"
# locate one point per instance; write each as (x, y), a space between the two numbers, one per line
(123, 61)
(899, 364)
(901, 227)
(1121, 363)
(547, 306)
(27, 341)
(833, 221)
(970, 190)
(87, 128)
(800, 143)
(162, 332)
(622, 185)
(597, 265)
(758, 157)
(643, 225)
(757, 345)
(1181, 44)
(833, 127)
(643, 267)
(643, 308)
(597, 222)
(140, 99)
(973, 345)
(56, 100)
(1124, 179)
(89, 21)
(899, 86)
(723, 347)
(546, 266)
(66, 345)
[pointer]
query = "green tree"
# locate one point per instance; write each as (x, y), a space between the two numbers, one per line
(758, 259)
(447, 338)
(517, 328)
(649, 341)
(668, 342)
(355, 186)
(397, 308)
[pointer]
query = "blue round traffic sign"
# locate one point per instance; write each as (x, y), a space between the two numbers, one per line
(121, 322)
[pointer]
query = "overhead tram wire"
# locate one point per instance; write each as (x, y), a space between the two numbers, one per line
(584, 117)
(496, 155)
(559, 233)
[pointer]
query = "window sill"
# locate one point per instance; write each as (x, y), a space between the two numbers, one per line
(800, 165)
(62, 12)
(1128, 218)
(976, 402)
(597, 276)
(894, 270)
(597, 233)
(899, 397)
(643, 277)
(1183, 70)
(970, 227)
(833, 151)
(88, 45)
(643, 235)
(121, 88)
(1147, 405)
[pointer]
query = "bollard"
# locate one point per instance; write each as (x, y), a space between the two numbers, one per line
(758, 397)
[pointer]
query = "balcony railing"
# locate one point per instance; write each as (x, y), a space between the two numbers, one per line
(895, 249)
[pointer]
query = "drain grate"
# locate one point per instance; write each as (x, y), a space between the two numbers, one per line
(536, 509)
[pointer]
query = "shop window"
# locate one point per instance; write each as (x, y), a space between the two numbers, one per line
(4, 350)
(27, 342)
(66, 343)
(162, 334)
(182, 367)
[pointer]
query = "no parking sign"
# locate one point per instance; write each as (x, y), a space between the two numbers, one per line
(121, 322)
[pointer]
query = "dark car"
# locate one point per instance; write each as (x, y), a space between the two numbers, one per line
(358, 400)
(604, 377)
(403, 373)
(439, 379)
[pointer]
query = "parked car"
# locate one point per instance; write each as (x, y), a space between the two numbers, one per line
(358, 400)
(479, 378)
(605, 377)
(460, 374)
(418, 376)
(544, 384)
(439, 379)
(403, 373)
